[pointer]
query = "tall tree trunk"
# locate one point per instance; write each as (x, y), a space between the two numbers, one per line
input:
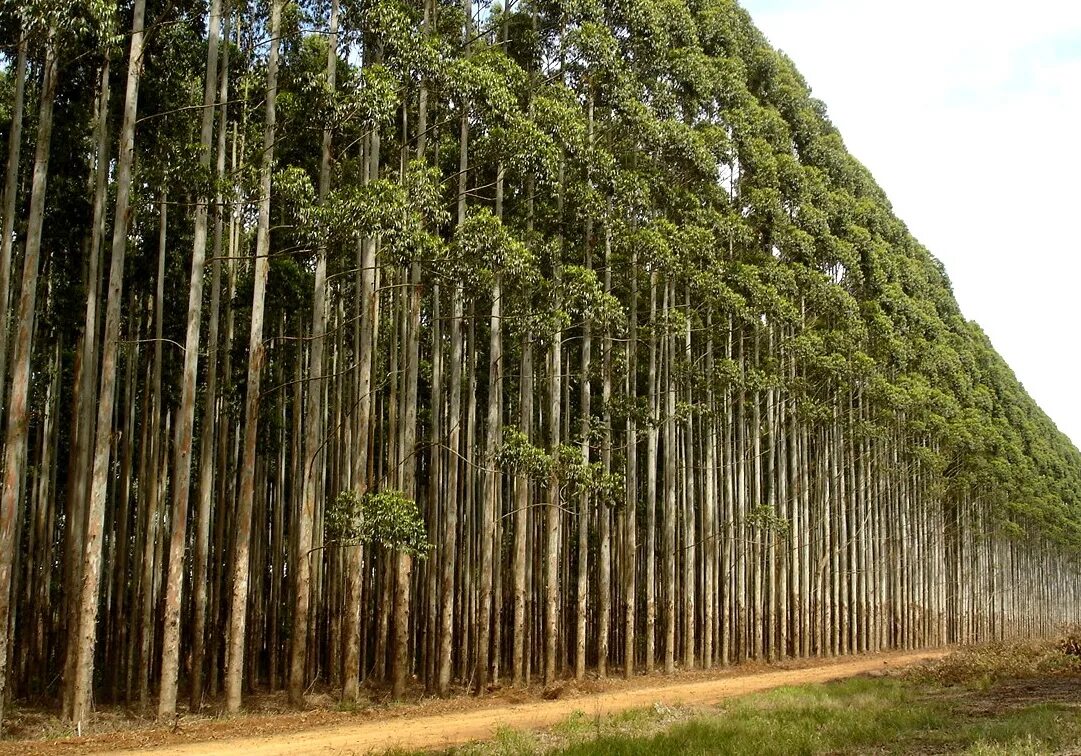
(492, 480)
(630, 510)
(651, 480)
(585, 417)
(210, 403)
(366, 349)
(604, 513)
(313, 481)
(234, 675)
(88, 601)
(85, 387)
(185, 421)
(403, 599)
(18, 415)
(11, 191)
(552, 520)
(153, 485)
(669, 485)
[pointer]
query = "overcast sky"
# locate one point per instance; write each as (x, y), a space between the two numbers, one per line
(968, 113)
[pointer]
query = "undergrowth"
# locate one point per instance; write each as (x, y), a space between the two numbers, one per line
(967, 702)
(984, 665)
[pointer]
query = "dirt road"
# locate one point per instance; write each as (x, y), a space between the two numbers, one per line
(442, 730)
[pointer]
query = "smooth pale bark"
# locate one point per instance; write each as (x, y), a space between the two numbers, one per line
(121, 579)
(17, 408)
(586, 419)
(651, 478)
(519, 661)
(670, 453)
(604, 512)
(552, 516)
(210, 402)
(630, 509)
(492, 480)
(468, 516)
(454, 419)
(235, 658)
(185, 418)
(313, 481)
(435, 496)
(88, 599)
(367, 300)
(690, 506)
(403, 598)
(739, 527)
(709, 506)
(11, 191)
(154, 486)
(757, 529)
(85, 383)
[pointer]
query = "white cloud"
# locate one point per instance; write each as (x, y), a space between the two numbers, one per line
(968, 115)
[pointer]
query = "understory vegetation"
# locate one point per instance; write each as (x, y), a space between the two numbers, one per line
(999, 699)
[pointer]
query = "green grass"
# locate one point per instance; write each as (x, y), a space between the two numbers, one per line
(855, 716)
(985, 711)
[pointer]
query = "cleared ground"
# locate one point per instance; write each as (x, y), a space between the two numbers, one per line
(441, 724)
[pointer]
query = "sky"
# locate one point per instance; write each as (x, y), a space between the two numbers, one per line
(968, 113)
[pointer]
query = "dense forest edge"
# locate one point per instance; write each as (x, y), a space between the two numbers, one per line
(438, 345)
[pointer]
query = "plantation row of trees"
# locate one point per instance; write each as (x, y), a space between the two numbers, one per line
(452, 344)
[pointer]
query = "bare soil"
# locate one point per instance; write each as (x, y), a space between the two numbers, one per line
(1008, 696)
(431, 723)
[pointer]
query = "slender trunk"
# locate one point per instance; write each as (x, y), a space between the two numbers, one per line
(234, 675)
(604, 514)
(11, 191)
(521, 514)
(585, 412)
(450, 556)
(491, 483)
(403, 599)
(153, 486)
(88, 600)
(18, 415)
(366, 349)
(651, 481)
(185, 421)
(209, 421)
(669, 487)
(85, 385)
(689, 548)
(630, 512)
(313, 481)
(552, 521)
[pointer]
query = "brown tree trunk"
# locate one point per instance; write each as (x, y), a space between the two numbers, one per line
(210, 419)
(185, 421)
(18, 415)
(11, 190)
(234, 675)
(88, 599)
(311, 476)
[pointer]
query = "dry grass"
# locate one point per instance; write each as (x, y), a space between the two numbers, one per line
(985, 665)
(991, 700)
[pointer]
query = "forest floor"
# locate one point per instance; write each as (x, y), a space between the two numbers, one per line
(432, 723)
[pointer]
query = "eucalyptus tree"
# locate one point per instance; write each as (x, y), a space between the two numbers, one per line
(17, 407)
(576, 340)
(261, 264)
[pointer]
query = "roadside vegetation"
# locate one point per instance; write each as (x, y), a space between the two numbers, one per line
(994, 699)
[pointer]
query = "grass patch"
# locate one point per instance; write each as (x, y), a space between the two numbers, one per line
(854, 716)
(985, 702)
